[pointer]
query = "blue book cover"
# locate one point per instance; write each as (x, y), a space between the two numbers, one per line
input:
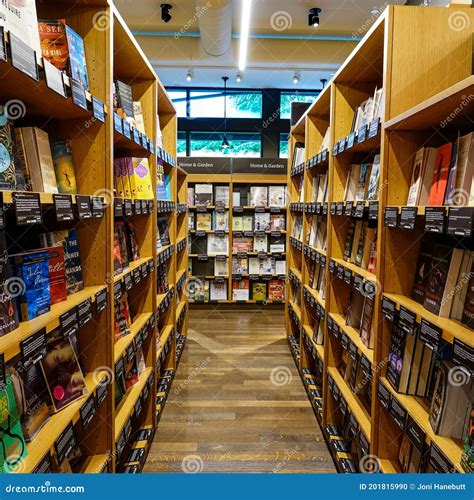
(77, 57)
(162, 184)
(33, 270)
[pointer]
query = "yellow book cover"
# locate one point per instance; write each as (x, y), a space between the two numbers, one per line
(64, 167)
(140, 180)
(127, 167)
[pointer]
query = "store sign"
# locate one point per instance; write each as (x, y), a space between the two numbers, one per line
(257, 166)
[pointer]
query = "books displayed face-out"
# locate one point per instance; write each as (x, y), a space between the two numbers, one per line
(217, 244)
(77, 58)
(203, 194)
(222, 196)
(20, 18)
(203, 221)
(298, 154)
(221, 267)
(64, 167)
(190, 198)
(260, 243)
(240, 289)
(258, 196)
(218, 291)
(8, 312)
(240, 265)
(262, 221)
(441, 171)
(221, 221)
(277, 196)
(247, 223)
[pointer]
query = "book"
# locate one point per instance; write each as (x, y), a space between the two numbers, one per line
(247, 223)
(276, 290)
(362, 180)
(422, 271)
(277, 222)
(139, 122)
(451, 400)
(467, 458)
(277, 196)
(203, 221)
(262, 221)
(221, 267)
(236, 198)
(140, 178)
(258, 196)
(459, 189)
(190, 197)
(277, 244)
(221, 221)
(72, 260)
(191, 221)
(404, 453)
(162, 184)
(217, 244)
(123, 100)
(353, 314)
(237, 223)
(254, 265)
(203, 194)
(218, 291)
(38, 159)
(358, 234)
(31, 397)
(440, 174)
(367, 333)
(8, 311)
(240, 289)
(7, 152)
(465, 273)
(280, 267)
(222, 196)
(77, 57)
(20, 18)
(57, 274)
(442, 280)
(53, 41)
(260, 243)
(13, 449)
(349, 240)
(239, 265)
(64, 166)
(259, 291)
(32, 268)
(373, 186)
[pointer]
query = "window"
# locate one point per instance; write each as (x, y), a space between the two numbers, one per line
(181, 145)
(179, 99)
(241, 144)
(210, 104)
(286, 98)
(283, 145)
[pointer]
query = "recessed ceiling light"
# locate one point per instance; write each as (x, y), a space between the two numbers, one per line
(239, 77)
(296, 77)
(189, 75)
(244, 33)
(313, 17)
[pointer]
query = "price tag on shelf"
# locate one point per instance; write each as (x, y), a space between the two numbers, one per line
(101, 301)
(118, 207)
(340, 208)
(88, 411)
(33, 348)
(127, 207)
(84, 312)
(78, 94)
(415, 434)
(127, 132)
(408, 218)
(361, 134)
(138, 207)
(398, 412)
(69, 323)
(118, 123)
(373, 210)
(348, 208)
(136, 135)
(54, 78)
(460, 221)
(342, 145)
(347, 276)
(388, 308)
(335, 148)
(27, 208)
(373, 128)
(430, 334)
(435, 219)
(97, 207)
(65, 444)
(463, 355)
(391, 217)
(127, 280)
(44, 466)
(101, 393)
(63, 207)
(350, 140)
(23, 57)
(383, 395)
(151, 146)
(359, 210)
(438, 461)
(84, 207)
(407, 320)
(98, 109)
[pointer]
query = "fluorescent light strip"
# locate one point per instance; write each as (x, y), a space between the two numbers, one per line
(244, 33)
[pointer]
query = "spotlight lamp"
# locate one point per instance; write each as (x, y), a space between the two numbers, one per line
(296, 78)
(225, 143)
(165, 12)
(238, 77)
(189, 75)
(323, 82)
(313, 17)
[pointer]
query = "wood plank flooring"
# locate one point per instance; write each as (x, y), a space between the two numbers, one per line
(237, 403)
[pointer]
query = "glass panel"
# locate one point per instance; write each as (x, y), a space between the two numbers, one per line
(286, 98)
(181, 145)
(210, 104)
(283, 145)
(241, 144)
(179, 100)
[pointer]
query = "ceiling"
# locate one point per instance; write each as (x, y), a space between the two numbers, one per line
(281, 41)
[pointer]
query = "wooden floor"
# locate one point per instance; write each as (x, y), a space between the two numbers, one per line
(237, 403)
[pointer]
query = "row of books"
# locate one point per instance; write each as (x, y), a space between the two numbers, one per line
(258, 266)
(125, 246)
(243, 289)
(359, 314)
(219, 221)
(444, 281)
(132, 178)
(444, 175)
(317, 278)
(316, 237)
(319, 188)
(217, 244)
(163, 227)
(361, 245)
(31, 163)
(208, 221)
(369, 110)
(34, 280)
(362, 181)
(257, 196)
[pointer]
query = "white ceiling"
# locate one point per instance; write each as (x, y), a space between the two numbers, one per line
(292, 46)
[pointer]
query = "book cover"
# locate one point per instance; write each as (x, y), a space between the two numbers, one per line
(161, 190)
(373, 187)
(203, 194)
(131, 372)
(62, 373)
(53, 40)
(139, 122)
(259, 291)
(468, 310)
(262, 222)
(221, 267)
(258, 196)
(349, 239)
(64, 166)
(77, 57)
(117, 254)
(123, 100)
(277, 196)
(362, 181)
(440, 174)
(247, 223)
(222, 196)
(221, 221)
(260, 243)
(422, 271)
(416, 179)
(240, 289)
(467, 459)
(20, 18)
(190, 197)
(57, 275)
(203, 221)
(140, 179)
(8, 312)
(33, 269)
(276, 290)
(31, 397)
(7, 161)
(366, 328)
(13, 449)
(218, 291)
(217, 244)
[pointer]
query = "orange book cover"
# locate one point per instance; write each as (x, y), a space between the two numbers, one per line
(440, 174)
(53, 42)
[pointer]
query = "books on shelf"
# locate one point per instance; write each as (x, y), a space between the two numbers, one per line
(163, 183)
(190, 196)
(298, 154)
(258, 196)
(8, 311)
(240, 289)
(20, 18)
(203, 194)
(261, 221)
(77, 57)
(297, 229)
(240, 265)
(204, 221)
(362, 181)
(259, 291)
(220, 221)
(123, 100)
(221, 267)
(217, 244)
(163, 236)
(369, 110)
(277, 196)
(260, 243)
(222, 196)
(441, 170)
(64, 166)
(218, 291)
(242, 244)
(421, 177)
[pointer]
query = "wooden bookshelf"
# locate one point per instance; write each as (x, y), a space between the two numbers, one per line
(419, 99)
(241, 183)
(111, 53)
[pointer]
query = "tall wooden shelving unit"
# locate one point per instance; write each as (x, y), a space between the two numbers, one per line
(106, 436)
(423, 82)
(243, 182)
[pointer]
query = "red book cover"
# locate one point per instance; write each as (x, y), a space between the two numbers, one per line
(440, 174)
(57, 275)
(276, 290)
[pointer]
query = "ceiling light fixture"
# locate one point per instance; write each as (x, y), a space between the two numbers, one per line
(244, 33)
(296, 77)
(165, 12)
(323, 82)
(225, 143)
(313, 17)
(239, 77)
(189, 75)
